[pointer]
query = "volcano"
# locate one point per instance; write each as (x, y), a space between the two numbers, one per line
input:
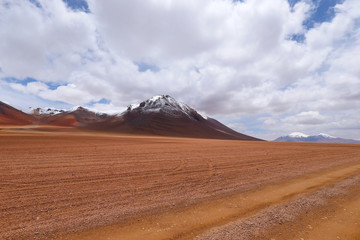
(163, 115)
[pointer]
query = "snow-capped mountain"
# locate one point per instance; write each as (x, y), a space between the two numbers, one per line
(45, 111)
(163, 115)
(326, 135)
(159, 115)
(322, 138)
(298, 135)
(75, 117)
(163, 104)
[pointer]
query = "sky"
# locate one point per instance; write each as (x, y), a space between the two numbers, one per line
(264, 68)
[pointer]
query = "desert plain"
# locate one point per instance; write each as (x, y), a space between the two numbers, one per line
(58, 183)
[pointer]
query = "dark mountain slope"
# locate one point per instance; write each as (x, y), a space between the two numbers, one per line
(13, 116)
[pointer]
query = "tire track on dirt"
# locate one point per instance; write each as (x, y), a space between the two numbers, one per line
(188, 222)
(328, 213)
(181, 165)
(211, 168)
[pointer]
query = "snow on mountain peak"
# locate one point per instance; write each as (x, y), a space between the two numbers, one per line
(46, 111)
(165, 104)
(326, 135)
(155, 98)
(302, 135)
(133, 106)
(298, 135)
(160, 102)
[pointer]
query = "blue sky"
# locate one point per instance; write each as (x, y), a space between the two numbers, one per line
(323, 11)
(265, 68)
(78, 5)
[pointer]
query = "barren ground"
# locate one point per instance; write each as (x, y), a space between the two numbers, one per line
(74, 185)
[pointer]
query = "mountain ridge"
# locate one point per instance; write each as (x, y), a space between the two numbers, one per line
(160, 115)
(319, 138)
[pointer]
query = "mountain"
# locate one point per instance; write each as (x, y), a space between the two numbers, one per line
(12, 116)
(160, 115)
(80, 117)
(163, 115)
(45, 111)
(320, 138)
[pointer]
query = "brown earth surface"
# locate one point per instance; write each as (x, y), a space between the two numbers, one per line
(82, 185)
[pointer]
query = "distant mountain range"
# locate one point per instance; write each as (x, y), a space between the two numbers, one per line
(159, 115)
(320, 138)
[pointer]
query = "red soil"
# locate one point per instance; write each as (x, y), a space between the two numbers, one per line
(66, 120)
(52, 184)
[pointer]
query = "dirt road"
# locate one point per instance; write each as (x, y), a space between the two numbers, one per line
(118, 187)
(329, 210)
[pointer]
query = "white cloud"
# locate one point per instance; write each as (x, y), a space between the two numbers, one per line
(306, 118)
(227, 59)
(45, 43)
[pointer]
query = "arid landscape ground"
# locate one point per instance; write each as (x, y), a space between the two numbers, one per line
(58, 183)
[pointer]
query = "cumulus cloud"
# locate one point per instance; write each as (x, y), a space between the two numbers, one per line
(307, 118)
(46, 42)
(229, 59)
